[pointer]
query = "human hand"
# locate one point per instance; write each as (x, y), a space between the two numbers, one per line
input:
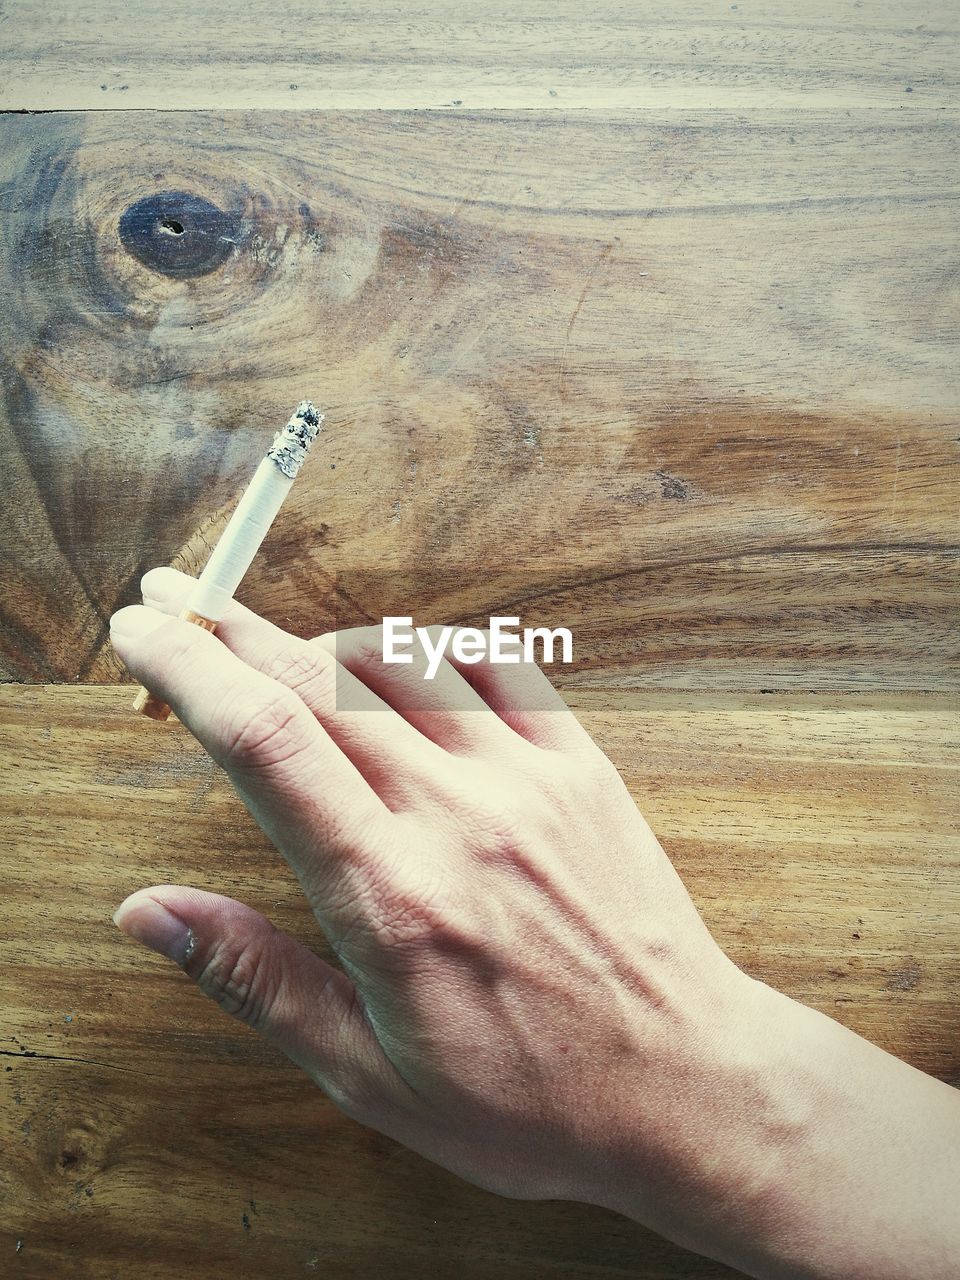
(528, 995)
(521, 962)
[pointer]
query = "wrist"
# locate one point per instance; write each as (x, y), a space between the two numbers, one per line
(709, 1156)
(800, 1152)
(708, 1137)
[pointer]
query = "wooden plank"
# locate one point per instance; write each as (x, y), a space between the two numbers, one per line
(691, 386)
(273, 1182)
(440, 54)
(819, 836)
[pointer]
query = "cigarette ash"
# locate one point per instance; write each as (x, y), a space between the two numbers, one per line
(290, 446)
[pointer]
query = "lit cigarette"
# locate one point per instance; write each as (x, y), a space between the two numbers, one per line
(249, 524)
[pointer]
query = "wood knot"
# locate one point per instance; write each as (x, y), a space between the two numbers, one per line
(78, 1151)
(179, 234)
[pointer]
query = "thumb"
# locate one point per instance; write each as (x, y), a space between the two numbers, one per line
(274, 984)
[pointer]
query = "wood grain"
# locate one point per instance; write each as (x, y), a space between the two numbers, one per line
(819, 836)
(694, 394)
(680, 371)
(441, 54)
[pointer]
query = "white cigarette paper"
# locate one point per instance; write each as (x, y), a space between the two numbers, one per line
(255, 513)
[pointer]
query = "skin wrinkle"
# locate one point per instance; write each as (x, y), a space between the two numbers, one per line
(234, 980)
(304, 669)
(268, 737)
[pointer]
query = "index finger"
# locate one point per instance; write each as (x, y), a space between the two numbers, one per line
(303, 791)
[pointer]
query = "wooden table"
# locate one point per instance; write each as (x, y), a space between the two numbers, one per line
(666, 351)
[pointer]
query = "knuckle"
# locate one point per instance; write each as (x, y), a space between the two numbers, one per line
(366, 647)
(413, 925)
(407, 903)
(491, 828)
(497, 834)
(301, 667)
(393, 910)
(239, 978)
(267, 733)
(401, 920)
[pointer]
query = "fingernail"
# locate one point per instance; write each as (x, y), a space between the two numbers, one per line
(136, 620)
(161, 584)
(148, 921)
